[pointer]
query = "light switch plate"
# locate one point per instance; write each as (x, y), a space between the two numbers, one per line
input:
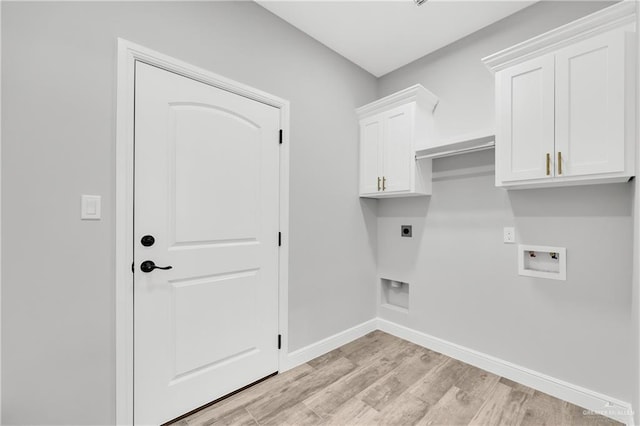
(91, 208)
(509, 235)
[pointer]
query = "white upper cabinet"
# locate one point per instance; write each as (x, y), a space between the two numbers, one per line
(370, 154)
(526, 109)
(565, 104)
(391, 129)
(398, 152)
(590, 106)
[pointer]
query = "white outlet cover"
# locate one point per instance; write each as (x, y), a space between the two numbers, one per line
(509, 235)
(91, 207)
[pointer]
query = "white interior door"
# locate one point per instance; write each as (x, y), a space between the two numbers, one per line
(590, 106)
(525, 105)
(207, 190)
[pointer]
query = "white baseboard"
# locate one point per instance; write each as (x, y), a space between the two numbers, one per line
(594, 401)
(314, 350)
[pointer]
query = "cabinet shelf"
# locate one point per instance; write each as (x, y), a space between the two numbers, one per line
(462, 144)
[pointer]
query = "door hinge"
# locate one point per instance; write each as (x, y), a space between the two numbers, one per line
(279, 341)
(281, 136)
(279, 239)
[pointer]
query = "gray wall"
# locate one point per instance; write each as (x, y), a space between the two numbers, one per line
(58, 115)
(635, 339)
(463, 280)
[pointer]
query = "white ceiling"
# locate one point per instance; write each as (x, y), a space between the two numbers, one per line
(381, 36)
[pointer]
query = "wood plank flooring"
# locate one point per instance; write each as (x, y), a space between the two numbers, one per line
(380, 379)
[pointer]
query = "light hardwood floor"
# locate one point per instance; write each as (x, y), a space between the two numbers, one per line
(380, 379)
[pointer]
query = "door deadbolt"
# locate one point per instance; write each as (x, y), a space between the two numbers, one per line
(147, 240)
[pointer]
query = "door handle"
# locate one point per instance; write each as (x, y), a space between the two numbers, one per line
(548, 164)
(378, 183)
(148, 266)
(559, 163)
(384, 183)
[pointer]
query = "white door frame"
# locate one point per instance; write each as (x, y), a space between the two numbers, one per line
(0, 213)
(128, 53)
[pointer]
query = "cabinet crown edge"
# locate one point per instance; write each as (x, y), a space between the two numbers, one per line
(607, 19)
(415, 93)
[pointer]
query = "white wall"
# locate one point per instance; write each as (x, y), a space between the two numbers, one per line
(463, 279)
(58, 114)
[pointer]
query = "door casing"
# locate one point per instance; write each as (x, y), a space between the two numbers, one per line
(128, 53)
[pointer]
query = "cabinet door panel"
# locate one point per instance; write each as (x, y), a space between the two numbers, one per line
(399, 158)
(590, 78)
(525, 107)
(370, 154)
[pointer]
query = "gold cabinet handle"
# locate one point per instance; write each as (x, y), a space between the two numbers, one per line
(378, 183)
(384, 183)
(548, 164)
(559, 163)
